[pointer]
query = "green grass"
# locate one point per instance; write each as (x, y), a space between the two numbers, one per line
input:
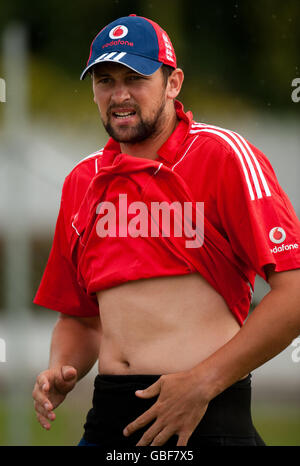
(66, 430)
(277, 425)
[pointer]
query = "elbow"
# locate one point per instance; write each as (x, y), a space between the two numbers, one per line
(92, 323)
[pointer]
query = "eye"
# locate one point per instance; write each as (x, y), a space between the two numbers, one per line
(134, 77)
(104, 80)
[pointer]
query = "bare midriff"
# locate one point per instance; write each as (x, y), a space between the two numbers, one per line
(161, 325)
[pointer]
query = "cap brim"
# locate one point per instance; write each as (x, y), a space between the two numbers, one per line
(141, 65)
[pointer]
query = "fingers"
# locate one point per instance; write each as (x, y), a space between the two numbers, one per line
(50, 390)
(69, 373)
(158, 434)
(43, 421)
(183, 439)
(65, 379)
(44, 415)
(151, 391)
(141, 421)
(155, 436)
(42, 404)
(41, 391)
(162, 437)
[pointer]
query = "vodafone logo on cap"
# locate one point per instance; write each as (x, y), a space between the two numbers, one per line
(277, 235)
(118, 32)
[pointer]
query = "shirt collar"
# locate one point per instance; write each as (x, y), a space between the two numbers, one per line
(168, 150)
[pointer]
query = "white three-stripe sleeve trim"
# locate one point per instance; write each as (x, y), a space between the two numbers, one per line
(185, 153)
(250, 165)
(233, 146)
(263, 179)
(258, 167)
(245, 147)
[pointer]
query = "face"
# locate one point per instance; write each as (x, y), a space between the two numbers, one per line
(132, 107)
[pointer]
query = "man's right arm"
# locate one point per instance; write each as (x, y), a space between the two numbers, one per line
(74, 350)
(75, 342)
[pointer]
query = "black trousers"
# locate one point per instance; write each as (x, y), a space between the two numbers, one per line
(227, 420)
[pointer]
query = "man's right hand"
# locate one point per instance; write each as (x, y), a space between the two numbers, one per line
(50, 390)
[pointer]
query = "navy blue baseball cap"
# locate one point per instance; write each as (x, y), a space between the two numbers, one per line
(133, 41)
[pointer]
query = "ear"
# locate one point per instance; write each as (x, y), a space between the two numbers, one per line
(175, 83)
(93, 89)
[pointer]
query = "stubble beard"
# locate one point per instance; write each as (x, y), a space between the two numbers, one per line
(145, 129)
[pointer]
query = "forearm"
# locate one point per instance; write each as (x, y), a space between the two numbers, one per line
(269, 330)
(74, 343)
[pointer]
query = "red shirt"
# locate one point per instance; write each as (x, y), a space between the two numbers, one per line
(248, 220)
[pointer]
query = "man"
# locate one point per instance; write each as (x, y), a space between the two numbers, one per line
(166, 319)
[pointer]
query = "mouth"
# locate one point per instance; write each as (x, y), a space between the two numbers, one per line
(124, 114)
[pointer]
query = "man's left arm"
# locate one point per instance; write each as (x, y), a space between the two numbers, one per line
(270, 328)
(184, 397)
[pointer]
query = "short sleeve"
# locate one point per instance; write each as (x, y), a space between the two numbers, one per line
(256, 214)
(59, 289)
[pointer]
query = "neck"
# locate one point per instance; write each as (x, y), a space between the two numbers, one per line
(148, 148)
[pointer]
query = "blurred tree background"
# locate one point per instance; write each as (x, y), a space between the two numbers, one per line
(236, 54)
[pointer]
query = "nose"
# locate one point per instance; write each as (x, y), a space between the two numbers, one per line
(120, 93)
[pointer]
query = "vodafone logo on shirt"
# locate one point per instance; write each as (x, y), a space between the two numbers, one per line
(118, 32)
(277, 235)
